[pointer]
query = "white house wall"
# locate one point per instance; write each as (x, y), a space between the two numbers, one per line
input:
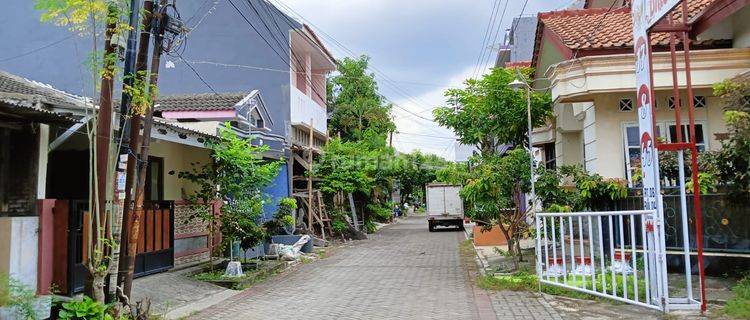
(19, 249)
(741, 26)
(177, 157)
(576, 80)
(604, 141)
(590, 151)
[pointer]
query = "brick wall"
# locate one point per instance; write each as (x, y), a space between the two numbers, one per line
(18, 172)
(192, 243)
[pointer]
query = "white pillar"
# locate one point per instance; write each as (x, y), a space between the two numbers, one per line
(42, 157)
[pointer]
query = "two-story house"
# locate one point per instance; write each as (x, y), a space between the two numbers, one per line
(584, 59)
(253, 66)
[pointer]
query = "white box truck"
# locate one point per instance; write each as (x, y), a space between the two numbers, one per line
(444, 206)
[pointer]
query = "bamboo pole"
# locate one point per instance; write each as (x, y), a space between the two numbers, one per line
(309, 178)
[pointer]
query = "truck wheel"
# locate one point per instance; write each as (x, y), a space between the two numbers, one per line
(430, 226)
(460, 225)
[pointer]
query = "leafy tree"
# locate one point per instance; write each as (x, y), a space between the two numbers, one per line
(454, 173)
(355, 104)
(237, 176)
(487, 113)
(100, 20)
(347, 167)
(495, 189)
(734, 164)
(415, 170)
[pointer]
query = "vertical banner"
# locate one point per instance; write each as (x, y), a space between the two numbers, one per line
(646, 13)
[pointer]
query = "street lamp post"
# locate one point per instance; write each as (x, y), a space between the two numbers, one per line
(516, 85)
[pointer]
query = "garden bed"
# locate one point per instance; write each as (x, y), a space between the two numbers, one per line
(254, 272)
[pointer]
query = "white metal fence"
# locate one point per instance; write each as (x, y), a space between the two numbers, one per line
(613, 254)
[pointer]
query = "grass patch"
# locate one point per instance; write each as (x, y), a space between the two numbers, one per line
(251, 276)
(520, 281)
(215, 275)
(526, 281)
(466, 247)
(739, 306)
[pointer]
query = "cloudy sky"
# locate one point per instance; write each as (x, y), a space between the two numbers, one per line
(419, 48)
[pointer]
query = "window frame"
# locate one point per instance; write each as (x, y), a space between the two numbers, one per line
(147, 188)
(700, 101)
(620, 105)
(662, 128)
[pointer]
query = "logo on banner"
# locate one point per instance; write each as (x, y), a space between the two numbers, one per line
(644, 100)
(641, 55)
(647, 147)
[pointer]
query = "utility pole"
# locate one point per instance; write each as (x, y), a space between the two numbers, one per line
(134, 145)
(102, 138)
(104, 123)
(159, 22)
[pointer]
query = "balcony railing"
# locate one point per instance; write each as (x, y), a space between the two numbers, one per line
(304, 109)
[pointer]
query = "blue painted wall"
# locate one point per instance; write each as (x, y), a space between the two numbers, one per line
(277, 190)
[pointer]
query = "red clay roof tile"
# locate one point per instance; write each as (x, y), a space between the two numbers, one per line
(601, 28)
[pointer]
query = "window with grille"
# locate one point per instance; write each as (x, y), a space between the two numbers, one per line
(746, 101)
(626, 105)
(700, 101)
(670, 103)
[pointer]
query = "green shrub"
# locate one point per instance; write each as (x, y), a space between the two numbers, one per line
(287, 221)
(370, 227)
(85, 309)
(339, 226)
(739, 305)
(14, 294)
(282, 218)
(380, 213)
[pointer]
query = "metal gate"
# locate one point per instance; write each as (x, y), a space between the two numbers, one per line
(612, 254)
(619, 255)
(155, 245)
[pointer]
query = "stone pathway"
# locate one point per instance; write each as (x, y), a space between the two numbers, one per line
(175, 294)
(402, 272)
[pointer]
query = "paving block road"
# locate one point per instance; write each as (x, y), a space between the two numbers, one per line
(402, 272)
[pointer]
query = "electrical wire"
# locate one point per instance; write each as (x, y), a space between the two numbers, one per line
(282, 57)
(387, 80)
(499, 28)
(197, 74)
(588, 39)
(513, 25)
(37, 49)
(487, 30)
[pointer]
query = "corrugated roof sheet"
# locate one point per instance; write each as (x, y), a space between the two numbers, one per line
(11, 83)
